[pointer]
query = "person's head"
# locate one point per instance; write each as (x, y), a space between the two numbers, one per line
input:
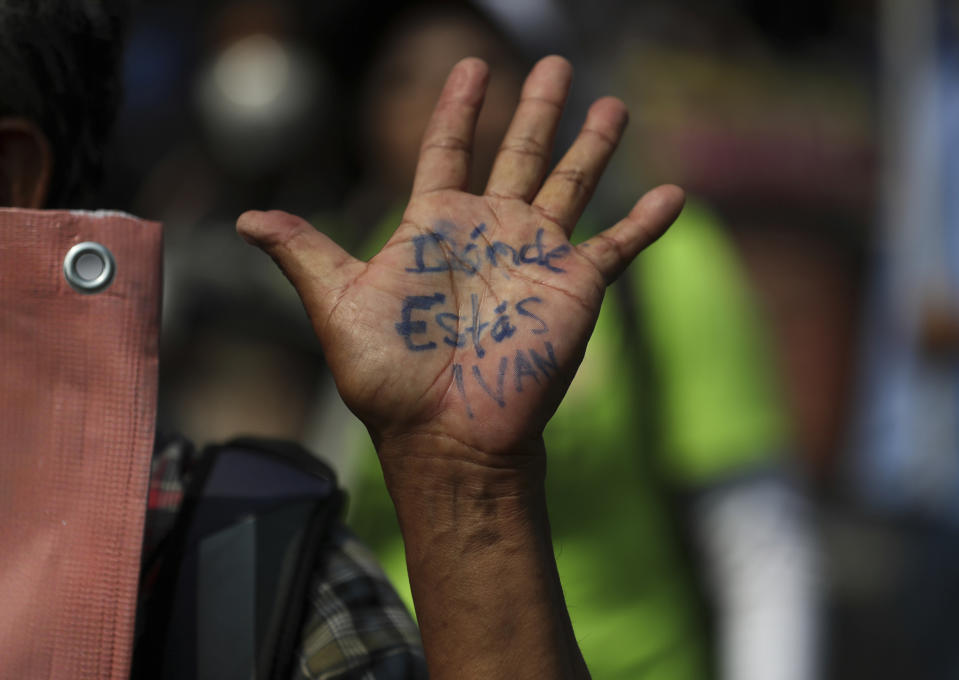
(407, 73)
(59, 92)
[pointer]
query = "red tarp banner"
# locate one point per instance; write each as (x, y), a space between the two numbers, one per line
(78, 377)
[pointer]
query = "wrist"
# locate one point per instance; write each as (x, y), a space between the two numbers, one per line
(458, 501)
(440, 471)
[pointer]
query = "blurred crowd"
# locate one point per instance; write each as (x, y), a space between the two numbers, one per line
(817, 136)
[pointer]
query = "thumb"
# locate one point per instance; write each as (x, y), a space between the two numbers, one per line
(314, 264)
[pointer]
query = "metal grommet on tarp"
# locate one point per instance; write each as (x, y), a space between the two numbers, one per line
(89, 267)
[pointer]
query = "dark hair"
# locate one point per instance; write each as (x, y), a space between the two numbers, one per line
(59, 67)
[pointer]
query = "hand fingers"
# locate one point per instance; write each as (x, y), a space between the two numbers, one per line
(312, 262)
(448, 141)
(523, 158)
(612, 250)
(569, 187)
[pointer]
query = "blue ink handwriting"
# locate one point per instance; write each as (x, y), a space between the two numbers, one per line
(408, 327)
(527, 365)
(438, 251)
(458, 331)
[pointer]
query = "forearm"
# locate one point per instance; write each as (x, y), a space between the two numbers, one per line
(481, 566)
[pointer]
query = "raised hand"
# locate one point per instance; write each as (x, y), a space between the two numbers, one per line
(469, 325)
(455, 345)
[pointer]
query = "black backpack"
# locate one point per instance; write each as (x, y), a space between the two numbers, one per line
(228, 598)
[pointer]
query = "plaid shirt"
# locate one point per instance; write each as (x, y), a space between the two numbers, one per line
(355, 625)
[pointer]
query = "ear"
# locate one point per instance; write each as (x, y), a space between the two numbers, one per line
(26, 163)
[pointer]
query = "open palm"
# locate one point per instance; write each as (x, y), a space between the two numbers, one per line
(471, 321)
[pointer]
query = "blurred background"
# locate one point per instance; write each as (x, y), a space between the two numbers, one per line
(823, 135)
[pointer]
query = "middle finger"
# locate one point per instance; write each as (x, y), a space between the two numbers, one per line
(523, 157)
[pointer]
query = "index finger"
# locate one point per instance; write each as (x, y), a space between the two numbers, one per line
(448, 141)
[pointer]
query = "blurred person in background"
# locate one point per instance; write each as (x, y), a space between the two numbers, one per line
(769, 112)
(228, 105)
(259, 106)
(668, 487)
